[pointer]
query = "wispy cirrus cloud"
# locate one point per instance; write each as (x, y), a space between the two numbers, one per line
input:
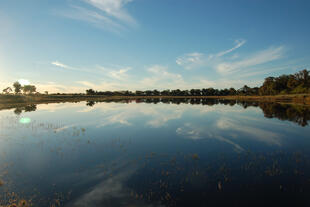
(229, 63)
(259, 58)
(61, 65)
(192, 60)
(68, 67)
(110, 15)
(196, 59)
(238, 43)
(258, 134)
(195, 132)
(118, 73)
(114, 8)
(159, 76)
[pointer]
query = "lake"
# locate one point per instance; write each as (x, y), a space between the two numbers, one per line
(151, 152)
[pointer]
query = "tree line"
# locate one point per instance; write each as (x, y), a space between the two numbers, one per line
(284, 84)
(18, 89)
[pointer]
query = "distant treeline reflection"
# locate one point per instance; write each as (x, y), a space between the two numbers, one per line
(299, 114)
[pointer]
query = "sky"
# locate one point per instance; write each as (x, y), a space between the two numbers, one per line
(73, 45)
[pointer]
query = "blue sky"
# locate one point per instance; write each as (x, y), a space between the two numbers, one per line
(72, 45)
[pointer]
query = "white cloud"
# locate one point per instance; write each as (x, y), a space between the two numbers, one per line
(265, 71)
(238, 43)
(256, 133)
(114, 8)
(225, 64)
(111, 191)
(195, 132)
(53, 87)
(195, 60)
(114, 85)
(116, 73)
(61, 65)
(259, 58)
(109, 15)
(191, 60)
(161, 78)
(98, 20)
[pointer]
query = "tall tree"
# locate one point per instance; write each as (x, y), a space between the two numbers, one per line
(17, 87)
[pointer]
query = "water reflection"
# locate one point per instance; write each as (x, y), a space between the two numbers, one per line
(136, 153)
(27, 108)
(299, 114)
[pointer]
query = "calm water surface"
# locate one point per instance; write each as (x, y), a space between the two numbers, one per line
(207, 153)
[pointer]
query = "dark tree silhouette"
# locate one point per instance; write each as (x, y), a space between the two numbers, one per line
(7, 90)
(17, 87)
(29, 89)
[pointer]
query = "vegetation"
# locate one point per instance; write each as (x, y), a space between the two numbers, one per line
(17, 87)
(7, 90)
(27, 89)
(286, 84)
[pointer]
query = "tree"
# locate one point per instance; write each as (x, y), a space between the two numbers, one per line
(292, 82)
(29, 89)
(303, 77)
(7, 90)
(232, 91)
(17, 87)
(268, 87)
(90, 92)
(245, 90)
(46, 92)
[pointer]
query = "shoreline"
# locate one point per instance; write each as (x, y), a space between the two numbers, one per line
(22, 100)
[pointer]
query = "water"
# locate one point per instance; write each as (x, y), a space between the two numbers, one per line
(155, 153)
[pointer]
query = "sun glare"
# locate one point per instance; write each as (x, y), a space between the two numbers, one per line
(25, 120)
(23, 82)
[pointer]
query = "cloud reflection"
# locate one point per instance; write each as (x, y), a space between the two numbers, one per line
(261, 135)
(198, 132)
(112, 192)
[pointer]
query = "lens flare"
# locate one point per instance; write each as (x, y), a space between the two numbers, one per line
(25, 120)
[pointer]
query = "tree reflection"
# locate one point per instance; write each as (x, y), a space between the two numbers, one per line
(295, 113)
(90, 103)
(28, 108)
(299, 114)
